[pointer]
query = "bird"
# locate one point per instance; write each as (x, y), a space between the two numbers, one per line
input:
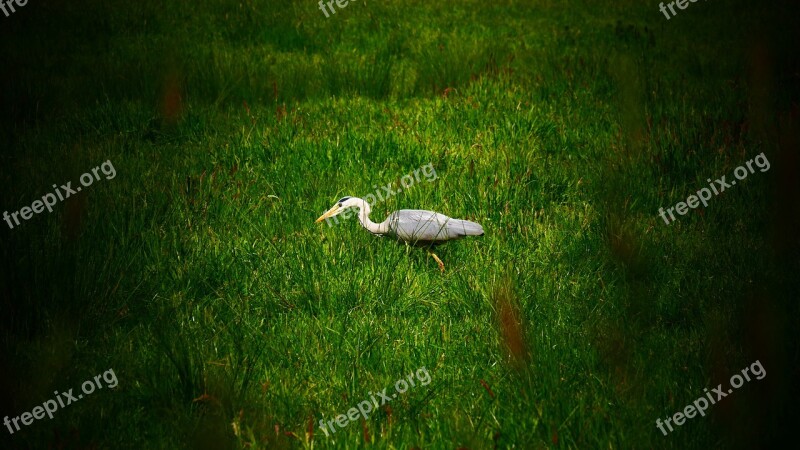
(416, 227)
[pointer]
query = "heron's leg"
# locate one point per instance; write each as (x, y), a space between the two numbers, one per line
(438, 261)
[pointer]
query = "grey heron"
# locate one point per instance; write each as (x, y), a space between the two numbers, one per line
(416, 227)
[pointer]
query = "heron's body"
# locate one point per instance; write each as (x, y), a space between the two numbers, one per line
(413, 226)
(421, 227)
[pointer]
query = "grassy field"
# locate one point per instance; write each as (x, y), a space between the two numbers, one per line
(231, 320)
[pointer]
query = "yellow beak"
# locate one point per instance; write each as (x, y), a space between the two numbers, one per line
(328, 213)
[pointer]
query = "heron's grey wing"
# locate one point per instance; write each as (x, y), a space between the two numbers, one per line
(417, 225)
(459, 227)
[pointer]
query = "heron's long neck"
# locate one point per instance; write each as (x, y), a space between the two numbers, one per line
(363, 217)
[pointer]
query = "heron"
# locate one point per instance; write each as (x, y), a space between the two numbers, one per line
(416, 227)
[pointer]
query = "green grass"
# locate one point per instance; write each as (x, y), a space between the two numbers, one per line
(233, 321)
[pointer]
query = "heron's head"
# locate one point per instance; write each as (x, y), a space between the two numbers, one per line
(341, 206)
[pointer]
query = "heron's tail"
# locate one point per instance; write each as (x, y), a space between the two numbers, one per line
(470, 228)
